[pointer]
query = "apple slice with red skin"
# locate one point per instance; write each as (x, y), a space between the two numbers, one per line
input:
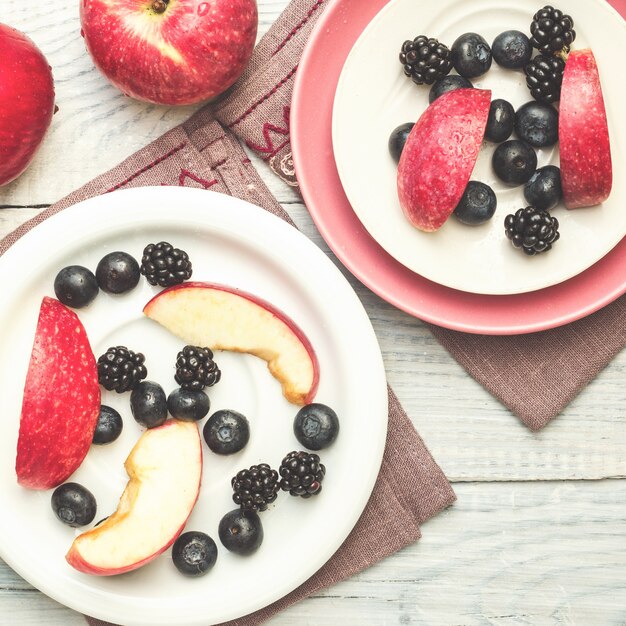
(439, 156)
(61, 400)
(584, 145)
(224, 318)
(165, 471)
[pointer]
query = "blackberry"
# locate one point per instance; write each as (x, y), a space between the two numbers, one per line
(121, 369)
(301, 474)
(255, 488)
(196, 369)
(552, 31)
(532, 230)
(544, 76)
(164, 265)
(425, 60)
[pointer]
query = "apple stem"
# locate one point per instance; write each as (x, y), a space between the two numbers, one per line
(159, 6)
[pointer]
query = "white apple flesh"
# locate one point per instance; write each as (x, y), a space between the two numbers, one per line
(170, 52)
(439, 156)
(584, 145)
(26, 102)
(61, 401)
(165, 470)
(224, 318)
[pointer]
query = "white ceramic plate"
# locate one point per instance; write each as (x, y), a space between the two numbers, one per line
(232, 242)
(374, 96)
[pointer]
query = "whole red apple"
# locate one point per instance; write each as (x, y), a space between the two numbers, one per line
(170, 51)
(26, 101)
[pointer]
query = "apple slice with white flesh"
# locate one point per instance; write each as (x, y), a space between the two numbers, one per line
(439, 156)
(585, 149)
(224, 318)
(61, 400)
(165, 470)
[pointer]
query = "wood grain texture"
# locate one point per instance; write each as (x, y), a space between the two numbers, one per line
(537, 533)
(504, 554)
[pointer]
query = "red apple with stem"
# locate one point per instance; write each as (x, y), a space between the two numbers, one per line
(170, 51)
(26, 101)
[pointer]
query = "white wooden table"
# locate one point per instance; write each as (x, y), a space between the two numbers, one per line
(538, 533)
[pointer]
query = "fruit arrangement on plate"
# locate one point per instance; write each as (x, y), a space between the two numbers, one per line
(165, 465)
(436, 154)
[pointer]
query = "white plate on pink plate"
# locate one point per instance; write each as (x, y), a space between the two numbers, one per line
(229, 242)
(373, 97)
(311, 118)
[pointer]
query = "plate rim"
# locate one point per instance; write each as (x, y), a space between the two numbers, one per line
(442, 306)
(69, 595)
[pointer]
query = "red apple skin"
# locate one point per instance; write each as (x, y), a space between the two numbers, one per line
(61, 400)
(585, 149)
(268, 307)
(26, 102)
(74, 557)
(439, 156)
(192, 51)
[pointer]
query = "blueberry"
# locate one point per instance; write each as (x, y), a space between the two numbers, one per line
(73, 504)
(397, 139)
(512, 50)
(500, 121)
(241, 532)
(316, 426)
(194, 553)
(446, 84)
(188, 405)
(471, 55)
(537, 124)
(514, 161)
(477, 205)
(148, 404)
(108, 427)
(226, 432)
(543, 190)
(117, 272)
(75, 286)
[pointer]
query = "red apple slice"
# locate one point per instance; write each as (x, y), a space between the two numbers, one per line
(61, 400)
(224, 318)
(439, 156)
(165, 470)
(586, 170)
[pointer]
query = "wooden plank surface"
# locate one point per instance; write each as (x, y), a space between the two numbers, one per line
(537, 535)
(505, 554)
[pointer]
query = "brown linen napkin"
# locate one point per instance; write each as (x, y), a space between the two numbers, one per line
(535, 375)
(410, 487)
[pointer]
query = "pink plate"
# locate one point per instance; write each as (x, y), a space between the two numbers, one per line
(311, 120)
